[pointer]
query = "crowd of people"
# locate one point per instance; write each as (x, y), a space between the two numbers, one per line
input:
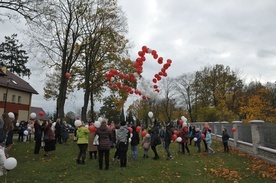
(122, 137)
(127, 136)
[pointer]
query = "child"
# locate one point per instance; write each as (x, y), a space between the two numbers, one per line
(198, 136)
(225, 138)
(168, 139)
(208, 140)
(146, 145)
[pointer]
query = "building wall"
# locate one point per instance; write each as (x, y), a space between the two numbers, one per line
(19, 108)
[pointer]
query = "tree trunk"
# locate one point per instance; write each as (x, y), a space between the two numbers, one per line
(93, 117)
(61, 96)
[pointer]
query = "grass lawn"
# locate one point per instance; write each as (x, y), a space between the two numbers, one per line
(61, 166)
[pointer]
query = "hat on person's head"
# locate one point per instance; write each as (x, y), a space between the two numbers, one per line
(123, 123)
(197, 129)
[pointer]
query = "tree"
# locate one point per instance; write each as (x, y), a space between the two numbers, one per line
(183, 87)
(29, 9)
(167, 105)
(109, 109)
(104, 45)
(13, 57)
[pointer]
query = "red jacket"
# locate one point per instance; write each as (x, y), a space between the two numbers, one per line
(184, 131)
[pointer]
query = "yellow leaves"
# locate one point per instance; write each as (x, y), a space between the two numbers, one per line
(225, 173)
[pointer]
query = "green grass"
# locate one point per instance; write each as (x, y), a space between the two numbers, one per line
(60, 166)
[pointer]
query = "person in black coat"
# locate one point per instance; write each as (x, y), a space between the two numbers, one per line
(37, 136)
(58, 131)
(135, 140)
(155, 139)
(168, 139)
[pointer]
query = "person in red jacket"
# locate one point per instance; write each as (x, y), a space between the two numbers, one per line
(184, 132)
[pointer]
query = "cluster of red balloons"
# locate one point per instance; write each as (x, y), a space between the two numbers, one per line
(117, 84)
(138, 65)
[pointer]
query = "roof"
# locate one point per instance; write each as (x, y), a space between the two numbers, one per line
(16, 83)
(36, 110)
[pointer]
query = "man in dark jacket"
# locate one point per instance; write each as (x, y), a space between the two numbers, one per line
(134, 143)
(104, 144)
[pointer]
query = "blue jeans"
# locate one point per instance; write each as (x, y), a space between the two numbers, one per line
(134, 152)
(198, 146)
(167, 148)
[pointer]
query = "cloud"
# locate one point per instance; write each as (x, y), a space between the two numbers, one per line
(194, 34)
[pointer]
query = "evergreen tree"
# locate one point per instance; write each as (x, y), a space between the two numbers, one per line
(13, 56)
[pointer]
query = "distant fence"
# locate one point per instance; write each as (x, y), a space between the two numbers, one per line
(257, 138)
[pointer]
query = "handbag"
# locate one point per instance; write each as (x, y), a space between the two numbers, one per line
(96, 140)
(46, 138)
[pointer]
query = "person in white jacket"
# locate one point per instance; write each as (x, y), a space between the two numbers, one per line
(208, 140)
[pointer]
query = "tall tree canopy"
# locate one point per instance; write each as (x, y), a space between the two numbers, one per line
(14, 57)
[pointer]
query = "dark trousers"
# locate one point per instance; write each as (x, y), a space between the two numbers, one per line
(37, 145)
(185, 146)
(155, 152)
(104, 153)
(205, 145)
(82, 151)
(198, 146)
(225, 146)
(58, 138)
(123, 157)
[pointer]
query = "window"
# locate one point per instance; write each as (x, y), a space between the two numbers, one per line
(4, 96)
(19, 99)
(13, 98)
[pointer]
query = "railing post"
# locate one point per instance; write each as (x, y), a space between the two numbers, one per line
(236, 134)
(216, 129)
(255, 134)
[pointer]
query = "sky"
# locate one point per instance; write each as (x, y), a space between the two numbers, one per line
(193, 34)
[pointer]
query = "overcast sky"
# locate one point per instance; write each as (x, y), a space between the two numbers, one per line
(193, 34)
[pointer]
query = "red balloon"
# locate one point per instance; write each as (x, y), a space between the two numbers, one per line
(130, 129)
(41, 113)
(67, 75)
(175, 132)
(155, 56)
(92, 128)
(234, 129)
(138, 129)
(154, 80)
(174, 137)
(180, 122)
(202, 136)
(153, 52)
(145, 49)
(144, 133)
(160, 60)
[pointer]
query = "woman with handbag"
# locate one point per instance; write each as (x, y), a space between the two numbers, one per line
(49, 138)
